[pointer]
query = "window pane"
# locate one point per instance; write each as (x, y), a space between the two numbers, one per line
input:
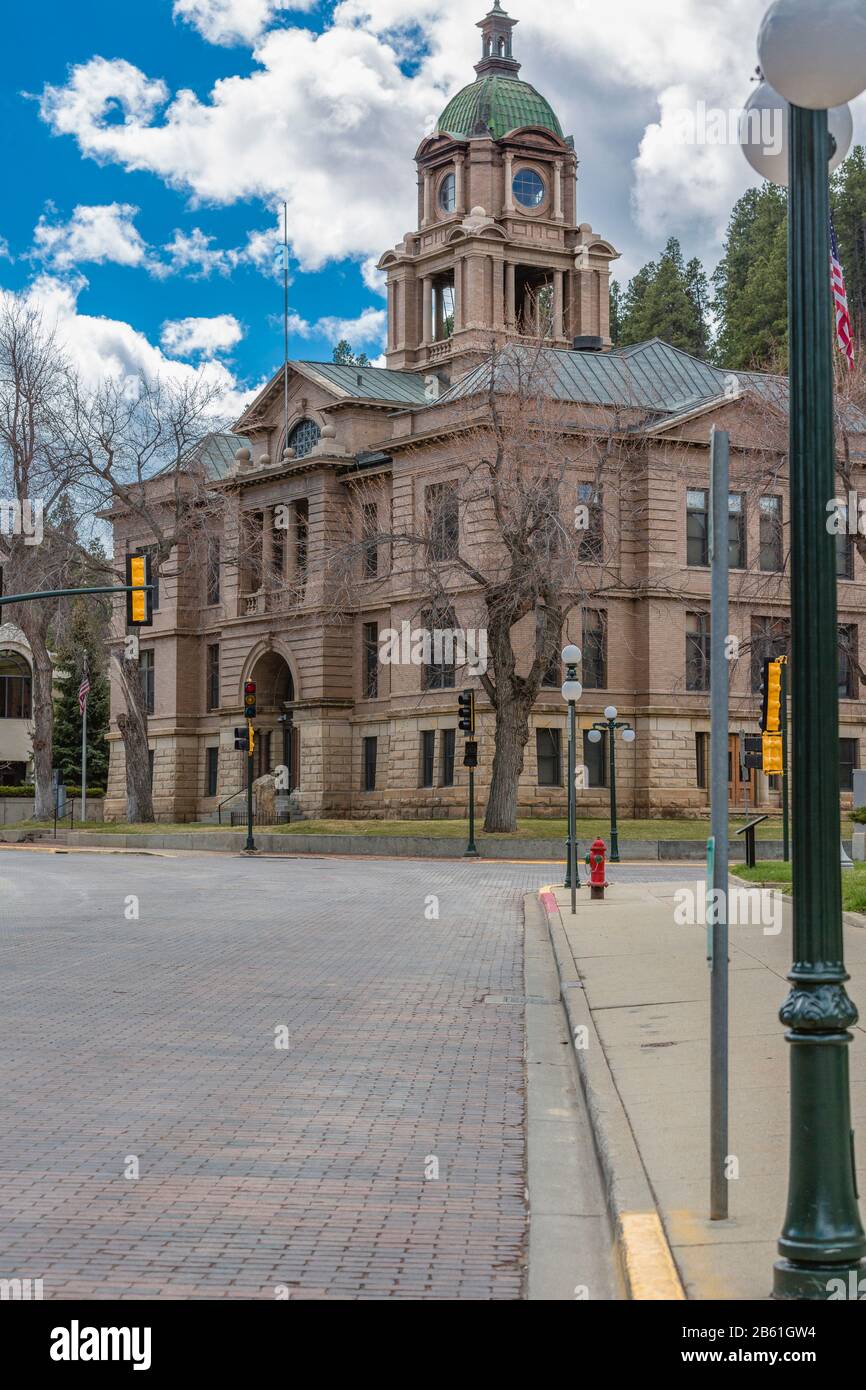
(370, 751)
(371, 661)
(595, 649)
(595, 760)
(849, 761)
(772, 559)
(736, 531)
(697, 651)
(449, 744)
(697, 529)
(428, 756)
(304, 438)
(528, 188)
(548, 745)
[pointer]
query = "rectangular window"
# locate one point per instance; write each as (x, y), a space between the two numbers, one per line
(844, 551)
(370, 532)
(697, 651)
(213, 677)
(697, 528)
(148, 684)
(443, 521)
(702, 761)
(590, 549)
(150, 762)
(594, 649)
(370, 753)
(771, 637)
(428, 757)
(848, 682)
(441, 673)
(595, 760)
(212, 767)
(302, 535)
(448, 746)
(213, 570)
(371, 661)
(278, 555)
(554, 675)
(737, 555)
(548, 747)
(252, 532)
(849, 761)
(772, 557)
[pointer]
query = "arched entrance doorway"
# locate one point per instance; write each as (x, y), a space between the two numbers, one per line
(278, 743)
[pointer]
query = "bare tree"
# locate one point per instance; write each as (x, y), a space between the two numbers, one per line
(40, 546)
(138, 448)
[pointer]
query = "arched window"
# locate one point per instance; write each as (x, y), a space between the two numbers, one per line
(503, 48)
(448, 193)
(304, 437)
(15, 686)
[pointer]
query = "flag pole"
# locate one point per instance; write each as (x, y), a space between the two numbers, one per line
(286, 320)
(84, 754)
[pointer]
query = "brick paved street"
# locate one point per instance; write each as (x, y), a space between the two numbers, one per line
(154, 1039)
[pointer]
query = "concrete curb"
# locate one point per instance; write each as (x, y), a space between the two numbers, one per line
(645, 1258)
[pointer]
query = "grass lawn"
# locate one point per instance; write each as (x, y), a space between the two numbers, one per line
(451, 829)
(853, 882)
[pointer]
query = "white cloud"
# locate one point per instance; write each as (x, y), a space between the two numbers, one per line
(331, 121)
(234, 21)
(101, 347)
(204, 337)
(92, 234)
(5, 253)
(368, 328)
(193, 251)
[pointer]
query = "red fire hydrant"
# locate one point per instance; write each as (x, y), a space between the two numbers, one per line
(597, 861)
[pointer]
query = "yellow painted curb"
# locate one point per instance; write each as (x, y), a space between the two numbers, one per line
(649, 1265)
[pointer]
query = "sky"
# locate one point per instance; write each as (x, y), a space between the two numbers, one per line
(148, 149)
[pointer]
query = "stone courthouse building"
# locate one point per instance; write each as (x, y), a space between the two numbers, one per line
(497, 262)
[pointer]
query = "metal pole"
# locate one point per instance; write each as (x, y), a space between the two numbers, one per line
(719, 468)
(822, 1237)
(572, 804)
(73, 593)
(614, 829)
(786, 815)
(286, 320)
(471, 848)
(84, 756)
(251, 844)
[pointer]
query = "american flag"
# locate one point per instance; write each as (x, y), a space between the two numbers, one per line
(83, 691)
(844, 331)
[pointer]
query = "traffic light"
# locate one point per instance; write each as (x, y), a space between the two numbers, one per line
(470, 757)
(250, 700)
(753, 752)
(245, 739)
(773, 755)
(466, 703)
(139, 600)
(771, 710)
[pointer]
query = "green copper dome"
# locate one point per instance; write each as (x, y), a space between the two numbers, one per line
(500, 103)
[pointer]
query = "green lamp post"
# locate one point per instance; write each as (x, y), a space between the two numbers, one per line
(611, 723)
(813, 53)
(572, 691)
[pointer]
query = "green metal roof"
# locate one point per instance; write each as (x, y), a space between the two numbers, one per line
(500, 103)
(217, 453)
(369, 383)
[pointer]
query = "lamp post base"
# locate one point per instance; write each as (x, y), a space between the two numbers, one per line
(819, 1283)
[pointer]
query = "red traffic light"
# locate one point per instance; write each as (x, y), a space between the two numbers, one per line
(250, 699)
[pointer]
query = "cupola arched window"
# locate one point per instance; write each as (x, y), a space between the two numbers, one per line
(448, 193)
(15, 686)
(304, 438)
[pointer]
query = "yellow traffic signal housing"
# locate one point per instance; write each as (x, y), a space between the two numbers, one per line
(773, 755)
(252, 743)
(771, 716)
(139, 601)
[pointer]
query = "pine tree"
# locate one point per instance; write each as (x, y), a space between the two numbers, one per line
(67, 725)
(615, 312)
(667, 300)
(751, 282)
(345, 356)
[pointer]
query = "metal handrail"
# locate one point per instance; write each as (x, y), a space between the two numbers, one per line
(70, 801)
(242, 791)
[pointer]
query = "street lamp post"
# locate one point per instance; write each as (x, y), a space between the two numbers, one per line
(572, 691)
(611, 723)
(813, 52)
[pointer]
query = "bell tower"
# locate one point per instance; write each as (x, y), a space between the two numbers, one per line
(498, 254)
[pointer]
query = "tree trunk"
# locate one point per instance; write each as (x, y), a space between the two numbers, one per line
(133, 730)
(43, 720)
(511, 738)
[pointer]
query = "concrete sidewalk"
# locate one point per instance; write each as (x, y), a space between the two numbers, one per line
(639, 984)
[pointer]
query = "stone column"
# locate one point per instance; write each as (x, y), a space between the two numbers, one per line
(498, 317)
(459, 185)
(427, 316)
(510, 295)
(509, 181)
(558, 323)
(459, 312)
(427, 199)
(557, 191)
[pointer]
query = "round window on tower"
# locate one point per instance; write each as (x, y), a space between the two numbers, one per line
(529, 188)
(448, 193)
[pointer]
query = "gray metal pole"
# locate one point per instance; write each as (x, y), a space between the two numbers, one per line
(719, 470)
(84, 758)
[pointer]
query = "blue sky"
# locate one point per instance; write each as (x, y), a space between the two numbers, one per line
(147, 148)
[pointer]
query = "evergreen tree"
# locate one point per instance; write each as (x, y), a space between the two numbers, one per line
(81, 635)
(667, 300)
(345, 356)
(615, 312)
(751, 282)
(848, 200)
